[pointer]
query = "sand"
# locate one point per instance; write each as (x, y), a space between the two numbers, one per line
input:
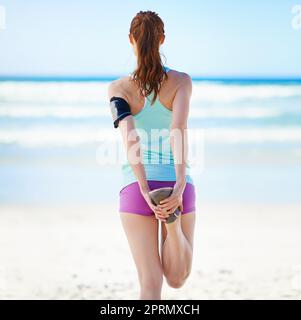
(241, 251)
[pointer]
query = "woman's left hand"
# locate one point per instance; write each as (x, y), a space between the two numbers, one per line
(174, 201)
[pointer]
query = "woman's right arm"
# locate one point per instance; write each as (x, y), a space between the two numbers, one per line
(131, 142)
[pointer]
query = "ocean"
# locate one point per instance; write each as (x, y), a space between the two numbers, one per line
(55, 133)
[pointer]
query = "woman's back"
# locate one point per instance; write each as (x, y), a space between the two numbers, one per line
(166, 95)
(152, 123)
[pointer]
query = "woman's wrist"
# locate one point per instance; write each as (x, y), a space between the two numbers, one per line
(143, 187)
(180, 185)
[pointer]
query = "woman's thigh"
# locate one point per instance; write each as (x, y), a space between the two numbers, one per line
(142, 235)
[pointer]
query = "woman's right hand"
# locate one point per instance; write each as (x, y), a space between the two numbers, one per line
(160, 215)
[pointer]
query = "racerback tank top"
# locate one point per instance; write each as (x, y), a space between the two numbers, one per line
(152, 124)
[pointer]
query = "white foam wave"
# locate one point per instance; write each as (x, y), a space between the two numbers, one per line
(55, 136)
(79, 135)
(53, 111)
(257, 135)
(96, 92)
(231, 93)
(66, 112)
(54, 92)
(229, 112)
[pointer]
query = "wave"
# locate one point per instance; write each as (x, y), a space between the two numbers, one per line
(54, 92)
(231, 112)
(96, 92)
(53, 111)
(232, 93)
(72, 112)
(82, 135)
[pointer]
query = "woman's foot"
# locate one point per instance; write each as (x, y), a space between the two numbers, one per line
(173, 217)
(160, 194)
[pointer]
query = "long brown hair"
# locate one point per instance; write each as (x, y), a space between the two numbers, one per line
(147, 28)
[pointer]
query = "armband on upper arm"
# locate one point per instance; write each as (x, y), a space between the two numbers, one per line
(119, 109)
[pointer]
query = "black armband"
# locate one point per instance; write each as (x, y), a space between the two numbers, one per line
(119, 109)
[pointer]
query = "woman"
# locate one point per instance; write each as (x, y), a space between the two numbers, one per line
(157, 99)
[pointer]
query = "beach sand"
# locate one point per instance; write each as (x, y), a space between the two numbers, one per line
(241, 251)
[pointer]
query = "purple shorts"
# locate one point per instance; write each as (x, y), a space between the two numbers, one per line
(132, 201)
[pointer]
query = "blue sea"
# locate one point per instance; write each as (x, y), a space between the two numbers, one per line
(54, 131)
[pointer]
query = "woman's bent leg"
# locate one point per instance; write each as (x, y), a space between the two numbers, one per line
(177, 249)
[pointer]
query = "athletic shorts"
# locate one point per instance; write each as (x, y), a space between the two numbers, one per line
(132, 201)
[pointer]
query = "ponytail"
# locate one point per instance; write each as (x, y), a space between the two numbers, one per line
(147, 29)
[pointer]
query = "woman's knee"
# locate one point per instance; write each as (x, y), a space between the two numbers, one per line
(177, 282)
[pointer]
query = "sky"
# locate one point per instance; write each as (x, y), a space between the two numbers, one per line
(203, 37)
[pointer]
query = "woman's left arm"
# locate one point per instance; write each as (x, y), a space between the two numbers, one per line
(179, 142)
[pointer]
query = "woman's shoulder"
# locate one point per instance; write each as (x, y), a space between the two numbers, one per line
(178, 79)
(179, 76)
(119, 87)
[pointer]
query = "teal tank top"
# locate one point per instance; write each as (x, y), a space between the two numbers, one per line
(153, 127)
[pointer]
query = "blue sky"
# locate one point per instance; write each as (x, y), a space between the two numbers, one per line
(203, 38)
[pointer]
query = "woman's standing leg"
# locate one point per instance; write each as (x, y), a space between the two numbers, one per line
(142, 236)
(177, 249)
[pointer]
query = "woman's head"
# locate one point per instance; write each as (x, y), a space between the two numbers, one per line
(146, 35)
